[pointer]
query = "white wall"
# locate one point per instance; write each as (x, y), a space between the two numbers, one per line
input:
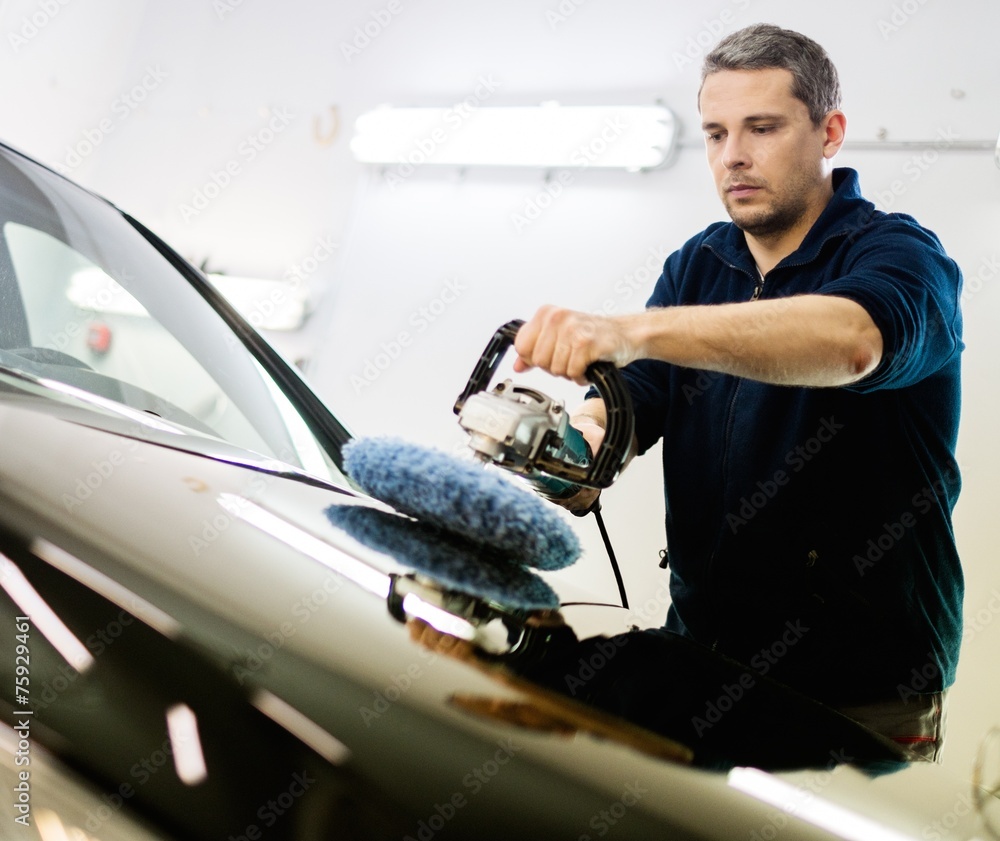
(168, 95)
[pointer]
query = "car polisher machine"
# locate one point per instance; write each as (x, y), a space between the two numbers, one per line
(528, 433)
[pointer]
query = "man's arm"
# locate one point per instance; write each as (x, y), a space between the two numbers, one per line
(806, 340)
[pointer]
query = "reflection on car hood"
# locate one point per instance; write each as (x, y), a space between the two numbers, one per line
(310, 623)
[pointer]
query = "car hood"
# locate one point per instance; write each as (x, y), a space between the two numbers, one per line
(244, 566)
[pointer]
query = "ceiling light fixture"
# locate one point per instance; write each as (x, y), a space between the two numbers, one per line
(548, 136)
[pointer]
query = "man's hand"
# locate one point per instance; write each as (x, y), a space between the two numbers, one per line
(593, 433)
(439, 642)
(565, 343)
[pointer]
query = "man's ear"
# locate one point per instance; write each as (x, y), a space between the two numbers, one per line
(834, 129)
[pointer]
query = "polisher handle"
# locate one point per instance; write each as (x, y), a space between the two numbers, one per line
(606, 378)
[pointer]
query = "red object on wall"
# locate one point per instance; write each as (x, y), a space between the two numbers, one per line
(99, 337)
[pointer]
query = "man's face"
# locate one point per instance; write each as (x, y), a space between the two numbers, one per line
(765, 154)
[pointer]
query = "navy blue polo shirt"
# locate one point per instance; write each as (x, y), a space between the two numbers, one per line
(809, 530)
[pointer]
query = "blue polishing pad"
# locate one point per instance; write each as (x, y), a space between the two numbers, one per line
(462, 498)
(454, 562)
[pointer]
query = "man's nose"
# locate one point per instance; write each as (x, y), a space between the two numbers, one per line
(734, 155)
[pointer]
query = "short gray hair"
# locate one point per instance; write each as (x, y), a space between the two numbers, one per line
(764, 46)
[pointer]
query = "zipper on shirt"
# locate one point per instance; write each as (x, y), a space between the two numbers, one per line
(758, 287)
(709, 576)
(758, 281)
(709, 573)
(758, 290)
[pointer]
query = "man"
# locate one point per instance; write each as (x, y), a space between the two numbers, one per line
(801, 365)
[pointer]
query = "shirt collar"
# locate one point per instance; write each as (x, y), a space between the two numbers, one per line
(846, 212)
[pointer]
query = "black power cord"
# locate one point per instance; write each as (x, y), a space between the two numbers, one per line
(596, 509)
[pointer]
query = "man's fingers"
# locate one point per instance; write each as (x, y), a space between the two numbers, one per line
(579, 363)
(527, 338)
(565, 343)
(439, 642)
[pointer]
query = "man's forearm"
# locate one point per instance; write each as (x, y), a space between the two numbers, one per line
(807, 340)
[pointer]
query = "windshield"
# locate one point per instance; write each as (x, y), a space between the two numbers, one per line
(94, 314)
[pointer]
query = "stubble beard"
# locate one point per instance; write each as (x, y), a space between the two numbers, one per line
(779, 215)
(777, 218)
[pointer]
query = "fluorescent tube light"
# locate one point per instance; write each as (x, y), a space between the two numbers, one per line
(43, 617)
(93, 289)
(808, 807)
(302, 541)
(547, 136)
(185, 744)
(296, 723)
(106, 586)
(436, 617)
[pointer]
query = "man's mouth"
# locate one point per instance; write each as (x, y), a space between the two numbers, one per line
(742, 191)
